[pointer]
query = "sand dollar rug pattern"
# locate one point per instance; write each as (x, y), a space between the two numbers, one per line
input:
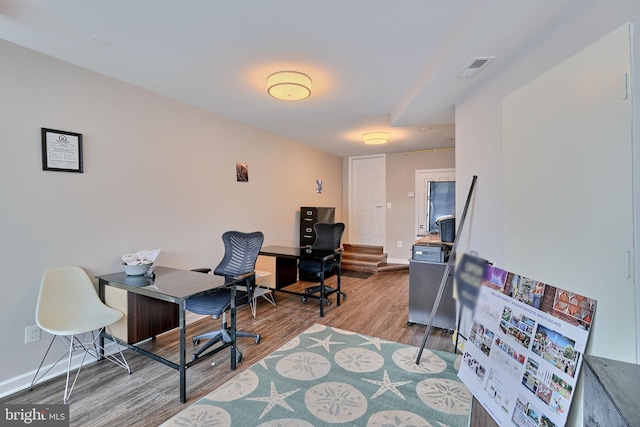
(328, 376)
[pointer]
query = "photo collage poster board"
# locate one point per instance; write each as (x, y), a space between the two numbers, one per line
(524, 350)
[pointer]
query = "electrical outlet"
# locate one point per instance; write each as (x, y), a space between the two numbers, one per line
(31, 334)
(399, 243)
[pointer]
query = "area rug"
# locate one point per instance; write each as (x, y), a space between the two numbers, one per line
(328, 376)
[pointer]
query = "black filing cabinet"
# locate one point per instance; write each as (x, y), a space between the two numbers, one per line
(309, 216)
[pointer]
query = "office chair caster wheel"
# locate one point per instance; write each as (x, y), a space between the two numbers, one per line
(195, 341)
(258, 339)
(238, 356)
(327, 301)
(304, 299)
(344, 296)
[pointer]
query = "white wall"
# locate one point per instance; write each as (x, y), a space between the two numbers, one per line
(479, 139)
(157, 173)
(567, 186)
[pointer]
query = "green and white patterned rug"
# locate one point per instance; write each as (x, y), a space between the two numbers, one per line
(328, 376)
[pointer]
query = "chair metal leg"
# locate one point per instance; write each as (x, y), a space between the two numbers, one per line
(75, 344)
(206, 346)
(67, 390)
(221, 335)
(252, 304)
(269, 297)
(263, 292)
(37, 379)
(122, 362)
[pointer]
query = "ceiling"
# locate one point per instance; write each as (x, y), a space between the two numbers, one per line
(375, 64)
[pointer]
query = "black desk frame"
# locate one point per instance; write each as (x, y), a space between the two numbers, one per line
(118, 281)
(297, 253)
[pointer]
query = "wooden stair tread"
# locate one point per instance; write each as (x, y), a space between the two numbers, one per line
(348, 247)
(363, 256)
(367, 258)
(360, 262)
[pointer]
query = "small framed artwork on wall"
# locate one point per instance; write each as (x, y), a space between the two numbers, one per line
(242, 172)
(61, 151)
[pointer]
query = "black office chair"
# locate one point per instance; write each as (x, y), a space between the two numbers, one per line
(328, 238)
(240, 255)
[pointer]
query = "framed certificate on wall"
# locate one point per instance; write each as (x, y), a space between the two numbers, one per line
(61, 151)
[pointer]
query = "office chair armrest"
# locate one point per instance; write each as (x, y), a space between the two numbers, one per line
(244, 276)
(202, 270)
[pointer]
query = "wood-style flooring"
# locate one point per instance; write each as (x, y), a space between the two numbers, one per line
(106, 395)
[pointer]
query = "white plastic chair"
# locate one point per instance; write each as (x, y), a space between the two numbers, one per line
(69, 307)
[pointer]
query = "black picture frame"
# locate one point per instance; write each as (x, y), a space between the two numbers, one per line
(61, 151)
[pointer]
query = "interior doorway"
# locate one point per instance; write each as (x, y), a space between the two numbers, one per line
(423, 177)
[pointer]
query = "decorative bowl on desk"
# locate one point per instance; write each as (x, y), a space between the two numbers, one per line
(136, 269)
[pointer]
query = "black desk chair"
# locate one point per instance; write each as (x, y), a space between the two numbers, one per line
(240, 255)
(328, 238)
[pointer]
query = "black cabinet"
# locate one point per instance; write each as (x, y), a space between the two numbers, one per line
(309, 216)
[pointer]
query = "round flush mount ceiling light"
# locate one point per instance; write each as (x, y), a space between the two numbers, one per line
(373, 138)
(289, 85)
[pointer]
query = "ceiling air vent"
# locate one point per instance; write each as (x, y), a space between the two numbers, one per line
(474, 67)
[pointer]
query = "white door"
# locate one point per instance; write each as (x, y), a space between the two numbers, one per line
(367, 213)
(423, 177)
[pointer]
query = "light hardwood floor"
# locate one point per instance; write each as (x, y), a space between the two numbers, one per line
(106, 396)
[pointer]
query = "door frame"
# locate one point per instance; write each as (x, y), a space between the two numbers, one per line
(416, 219)
(350, 202)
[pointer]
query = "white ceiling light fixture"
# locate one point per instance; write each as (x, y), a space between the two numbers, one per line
(474, 67)
(289, 85)
(374, 138)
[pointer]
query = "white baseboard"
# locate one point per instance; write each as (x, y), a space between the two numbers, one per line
(192, 317)
(23, 381)
(397, 261)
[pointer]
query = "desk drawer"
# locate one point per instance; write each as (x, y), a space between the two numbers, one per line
(428, 253)
(144, 317)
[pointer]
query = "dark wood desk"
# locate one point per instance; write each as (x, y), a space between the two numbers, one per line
(173, 286)
(286, 264)
(290, 256)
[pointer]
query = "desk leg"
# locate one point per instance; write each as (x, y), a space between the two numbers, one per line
(101, 338)
(322, 296)
(234, 349)
(183, 356)
(338, 284)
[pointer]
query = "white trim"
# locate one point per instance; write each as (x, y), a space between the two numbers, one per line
(635, 185)
(23, 381)
(416, 186)
(397, 261)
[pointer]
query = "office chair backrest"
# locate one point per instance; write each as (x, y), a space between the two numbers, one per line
(240, 253)
(328, 236)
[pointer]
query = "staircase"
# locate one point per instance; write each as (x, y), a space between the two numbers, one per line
(367, 259)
